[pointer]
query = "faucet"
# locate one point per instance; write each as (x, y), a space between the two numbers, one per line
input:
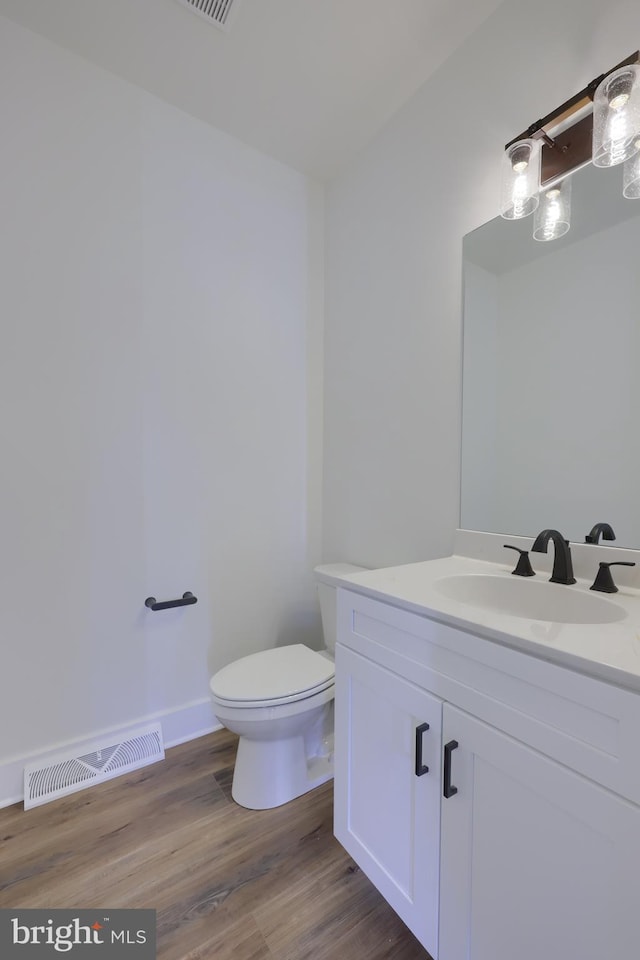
(562, 566)
(600, 528)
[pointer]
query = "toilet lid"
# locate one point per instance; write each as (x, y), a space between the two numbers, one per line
(273, 674)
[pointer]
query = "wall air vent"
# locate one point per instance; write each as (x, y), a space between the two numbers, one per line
(63, 775)
(217, 12)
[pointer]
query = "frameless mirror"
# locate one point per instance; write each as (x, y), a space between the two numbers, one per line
(551, 393)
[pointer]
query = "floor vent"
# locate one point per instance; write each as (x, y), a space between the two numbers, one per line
(217, 12)
(67, 774)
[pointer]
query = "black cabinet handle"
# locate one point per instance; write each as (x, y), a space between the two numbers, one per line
(447, 787)
(421, 768)
(186, 599)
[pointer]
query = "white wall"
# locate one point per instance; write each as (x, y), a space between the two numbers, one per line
(395, 221)
(160, 415)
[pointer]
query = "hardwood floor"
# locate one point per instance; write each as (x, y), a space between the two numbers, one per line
(227, 883)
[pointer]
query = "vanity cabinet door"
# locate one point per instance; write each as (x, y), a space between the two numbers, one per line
(387, 787)
(537, 861)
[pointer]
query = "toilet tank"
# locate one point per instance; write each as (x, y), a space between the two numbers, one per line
(328, 578)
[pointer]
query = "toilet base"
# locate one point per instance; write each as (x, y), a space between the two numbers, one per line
(283, 751)
(270, 773)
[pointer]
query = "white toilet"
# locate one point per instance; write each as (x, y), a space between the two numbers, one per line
(280, 702)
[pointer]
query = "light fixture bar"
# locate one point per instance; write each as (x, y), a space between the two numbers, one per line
(570, 148)
(539, 129)
(567, 151)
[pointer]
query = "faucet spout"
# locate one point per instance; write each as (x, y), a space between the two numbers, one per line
(562, 565)
(600, 529)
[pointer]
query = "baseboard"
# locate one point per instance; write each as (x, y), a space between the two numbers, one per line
(195, 719)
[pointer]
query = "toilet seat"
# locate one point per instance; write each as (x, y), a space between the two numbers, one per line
(272, 677)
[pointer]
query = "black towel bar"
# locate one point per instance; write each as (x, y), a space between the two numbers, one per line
(184, 601)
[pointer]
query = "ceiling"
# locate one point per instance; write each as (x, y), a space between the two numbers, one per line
(309, 82)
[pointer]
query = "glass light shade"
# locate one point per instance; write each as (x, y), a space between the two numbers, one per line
(520, 179)
(616, 117)
(553, 216)
(631, 176)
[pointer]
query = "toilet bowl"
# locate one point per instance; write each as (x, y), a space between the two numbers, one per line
(280, 703)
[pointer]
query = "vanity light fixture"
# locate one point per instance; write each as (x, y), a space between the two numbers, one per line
(616, 117)
(600, 124)
(520, 179)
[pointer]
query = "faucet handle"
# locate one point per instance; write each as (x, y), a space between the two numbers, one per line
(523, 566)
(604, 581)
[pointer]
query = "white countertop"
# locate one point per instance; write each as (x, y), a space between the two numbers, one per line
(609, 651)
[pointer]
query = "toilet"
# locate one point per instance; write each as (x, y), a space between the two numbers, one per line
(280, 703)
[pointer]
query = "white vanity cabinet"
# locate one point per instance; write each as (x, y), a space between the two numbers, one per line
(537, 861)
(535, 852)
(387, 787)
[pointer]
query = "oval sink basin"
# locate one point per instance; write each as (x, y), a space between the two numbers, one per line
(529, 599)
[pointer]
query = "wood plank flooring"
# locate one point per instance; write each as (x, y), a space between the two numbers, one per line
(227, 883)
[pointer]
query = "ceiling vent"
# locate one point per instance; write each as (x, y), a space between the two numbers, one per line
(217, 12)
